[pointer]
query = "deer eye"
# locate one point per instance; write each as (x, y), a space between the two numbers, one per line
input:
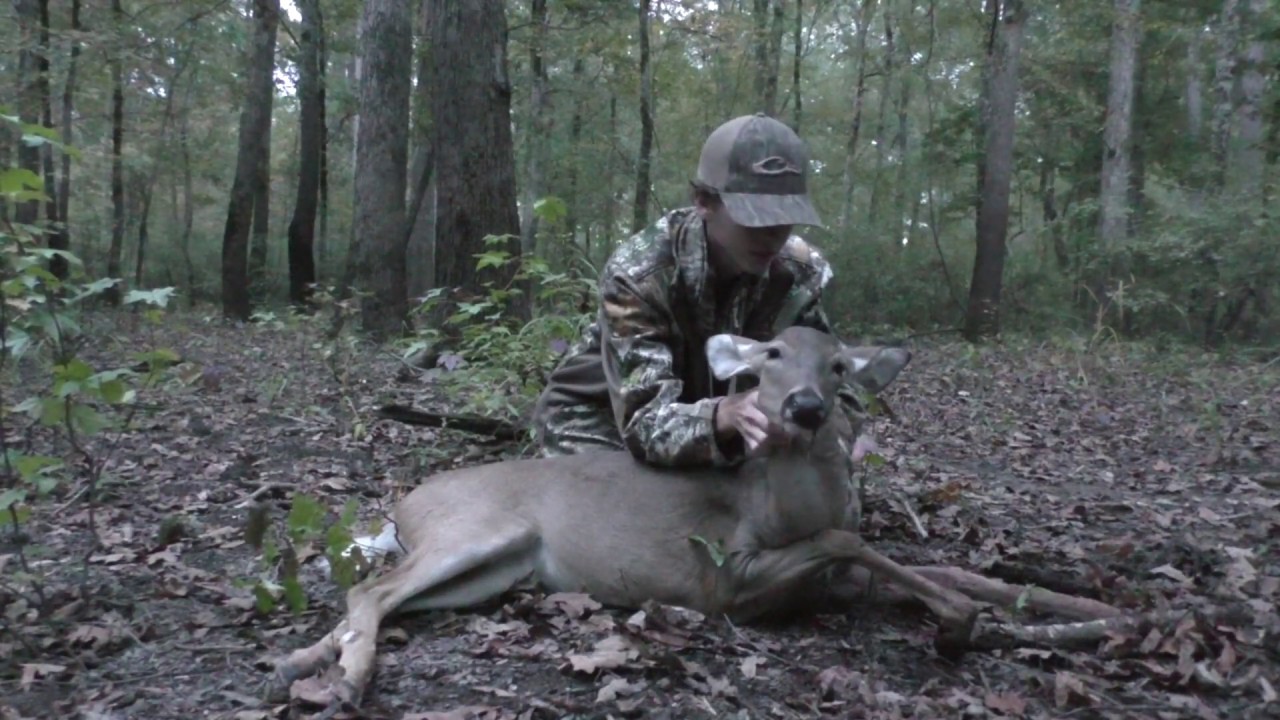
(773, 353)
(839, 368)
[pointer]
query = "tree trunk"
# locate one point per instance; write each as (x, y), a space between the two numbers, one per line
(420, 222)
(999, 97)
(1195, 86)
(640, 212)
(57, 238)
(382, 163)
(255, 116)
(797, 109)
(143, 216)
(302, 227)
(382, 154)
(538, 139)
(901, 141)
(1113, 216)
(29, 102)
(188, 193)
(63, 232)
(881, 142)
(574, 214)
(1249, 173)
(1228, 34)
(865, 11)
(261, 232)
(112, 295)
(322, 230)
(473, 147)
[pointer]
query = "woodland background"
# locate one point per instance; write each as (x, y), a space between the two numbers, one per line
(1111, 163)
(218, 218)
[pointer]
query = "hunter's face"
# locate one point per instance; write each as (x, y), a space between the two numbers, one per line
(742, 249)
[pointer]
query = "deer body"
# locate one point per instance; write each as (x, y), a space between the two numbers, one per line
(626, 533)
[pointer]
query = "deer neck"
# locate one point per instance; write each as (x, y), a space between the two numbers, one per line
(803, 488)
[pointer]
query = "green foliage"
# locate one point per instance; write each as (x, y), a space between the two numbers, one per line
(40, 339)
(307, 529)
(497, 363)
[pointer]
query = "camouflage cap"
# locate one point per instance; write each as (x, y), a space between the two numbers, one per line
(759, 167)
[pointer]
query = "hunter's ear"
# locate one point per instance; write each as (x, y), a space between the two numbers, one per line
(875, 368)
(731, 355)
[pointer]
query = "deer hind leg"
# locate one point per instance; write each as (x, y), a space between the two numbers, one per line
(454, 568)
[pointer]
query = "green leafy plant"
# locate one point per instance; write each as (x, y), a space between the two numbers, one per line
(41, 335)
(307, 529)
(495, 364)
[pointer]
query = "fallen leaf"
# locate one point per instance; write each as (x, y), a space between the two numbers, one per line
(1006, 703)
(1069, 689)
(1172, 573)
(1268, 692)
(33, 671)
(618, 687)
(749, 666)
(574, 605)
(611, 652)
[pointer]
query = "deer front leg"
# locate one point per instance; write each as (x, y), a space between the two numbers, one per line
(956, 610)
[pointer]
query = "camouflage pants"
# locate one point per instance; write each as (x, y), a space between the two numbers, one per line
(574, 413)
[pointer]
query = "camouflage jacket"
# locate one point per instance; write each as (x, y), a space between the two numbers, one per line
(659, 306)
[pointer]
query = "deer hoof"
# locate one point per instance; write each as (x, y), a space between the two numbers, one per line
(345, 700)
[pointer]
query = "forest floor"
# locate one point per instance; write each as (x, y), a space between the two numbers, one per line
(1146, 479)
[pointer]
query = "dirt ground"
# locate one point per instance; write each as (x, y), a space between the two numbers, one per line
(1147, 479)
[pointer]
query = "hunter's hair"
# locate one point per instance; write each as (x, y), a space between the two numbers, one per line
(703, 194)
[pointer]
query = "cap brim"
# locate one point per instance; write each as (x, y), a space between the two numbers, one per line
(768, 210)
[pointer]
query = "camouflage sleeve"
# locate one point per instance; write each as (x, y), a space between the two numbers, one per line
(636, 344)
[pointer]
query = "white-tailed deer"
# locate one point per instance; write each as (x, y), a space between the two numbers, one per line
(611, 526)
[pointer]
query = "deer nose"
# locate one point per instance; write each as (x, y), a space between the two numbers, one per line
(805, 408)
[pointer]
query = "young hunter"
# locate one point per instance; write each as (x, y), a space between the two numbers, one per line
(638, 378)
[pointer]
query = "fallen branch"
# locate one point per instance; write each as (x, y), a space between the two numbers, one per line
(497, 429)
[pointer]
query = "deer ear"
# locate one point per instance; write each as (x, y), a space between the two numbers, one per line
(731, 355)
(876, 367)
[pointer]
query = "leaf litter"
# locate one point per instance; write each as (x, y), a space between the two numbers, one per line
(1145, 480)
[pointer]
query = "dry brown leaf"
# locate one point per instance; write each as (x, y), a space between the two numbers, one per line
(618, 687)
(750, 666)
(611, 652)
(1006, 703)
(34, 671)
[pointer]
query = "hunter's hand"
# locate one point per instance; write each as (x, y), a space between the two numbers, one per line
(739, 415)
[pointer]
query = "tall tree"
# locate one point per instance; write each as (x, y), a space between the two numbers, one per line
(421, 218)
(866, 10)
(112, 295)
(28, 15)
(382, 149)
(1114, 197)
(768, 16)
(57, 240)
(1249, 174)
(472, 143)
(63, 231)
(311, 120)
(640, 211)
(1224, 74)
(255, 117)
(260, 232)
(797, 107)
(538, 139)
(999, 98)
